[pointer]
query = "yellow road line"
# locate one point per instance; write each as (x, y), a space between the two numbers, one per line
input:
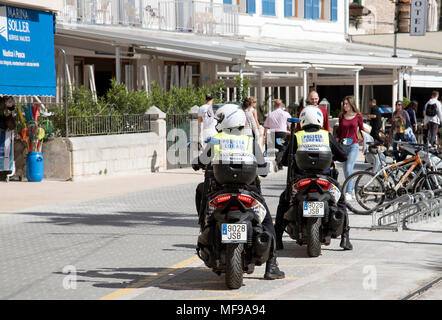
(121, 292)
(149, 279)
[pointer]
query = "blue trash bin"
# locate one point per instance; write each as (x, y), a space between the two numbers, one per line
(34, 166)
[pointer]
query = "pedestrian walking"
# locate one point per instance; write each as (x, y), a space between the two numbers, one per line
(432, 117)
(412, 109)
(313, 100)
(375, 117)
(401, 125)
(250, 127)
(260, 130)
(254, 112)
(350, 121)
(207, 117)
(277, 122)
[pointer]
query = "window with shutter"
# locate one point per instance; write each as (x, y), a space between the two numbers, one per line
(288, 9)
(268, 7)
(312, 9)
(251, 6)
(334, 10)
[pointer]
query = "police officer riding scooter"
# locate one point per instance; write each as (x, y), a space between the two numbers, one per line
(229, 196)
(311, 173)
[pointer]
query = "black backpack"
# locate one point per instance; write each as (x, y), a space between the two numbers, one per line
(431, 110)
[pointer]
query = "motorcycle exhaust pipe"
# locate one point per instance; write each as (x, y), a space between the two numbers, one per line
(336, 220)
(262, 245)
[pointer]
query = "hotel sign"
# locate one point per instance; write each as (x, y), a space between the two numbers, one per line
(418, 17)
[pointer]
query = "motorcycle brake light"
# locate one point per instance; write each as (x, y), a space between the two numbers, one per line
(218, 201)
(247, 201)
(301, 185)
(325, 185)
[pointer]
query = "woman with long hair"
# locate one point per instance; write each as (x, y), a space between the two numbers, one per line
(350, 121)
(254, 112)
(258, 135)
(401, 129)
(250, 127)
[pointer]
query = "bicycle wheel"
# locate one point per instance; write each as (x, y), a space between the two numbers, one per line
(431, 181)
(369, 192)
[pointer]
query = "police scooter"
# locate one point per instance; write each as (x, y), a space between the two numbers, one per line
(313, 217)
(232, 239)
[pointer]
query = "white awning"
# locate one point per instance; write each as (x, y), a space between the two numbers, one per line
(254, 55)
(423, 80)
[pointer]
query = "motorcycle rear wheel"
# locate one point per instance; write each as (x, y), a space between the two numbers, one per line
(234, 268)
(314, 237)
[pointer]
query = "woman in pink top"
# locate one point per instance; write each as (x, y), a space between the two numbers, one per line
(350, 121)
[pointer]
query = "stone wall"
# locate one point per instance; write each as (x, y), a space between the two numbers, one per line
(94, 156)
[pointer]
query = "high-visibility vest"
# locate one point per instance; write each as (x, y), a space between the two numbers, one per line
(314, 139)
(232, 144)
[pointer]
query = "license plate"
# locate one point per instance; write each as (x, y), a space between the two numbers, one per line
(313, 209)
(234, 233)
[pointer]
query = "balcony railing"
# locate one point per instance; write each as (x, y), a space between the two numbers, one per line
(199, 17)
(176, 15)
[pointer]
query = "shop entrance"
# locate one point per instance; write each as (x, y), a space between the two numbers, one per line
(104, 71)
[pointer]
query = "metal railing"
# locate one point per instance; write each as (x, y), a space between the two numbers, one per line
(108, 124)
(108, 12)
(177, 15)
(199, 17)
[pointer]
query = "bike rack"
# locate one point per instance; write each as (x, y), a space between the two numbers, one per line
(419, 207)
(388, 219)
(434, 210)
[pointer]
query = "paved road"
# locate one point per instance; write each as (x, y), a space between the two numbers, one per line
(141, 245)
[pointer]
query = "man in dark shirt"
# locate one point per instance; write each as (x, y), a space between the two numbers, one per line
(375, 117)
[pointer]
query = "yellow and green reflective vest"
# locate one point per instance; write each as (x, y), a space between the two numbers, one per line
(318, 138)
(232, 144)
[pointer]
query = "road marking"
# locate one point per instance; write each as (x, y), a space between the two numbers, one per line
(306, 265)
(199, 285)
(283, 291)
(150, 279)
(233, 296)
(142, 285)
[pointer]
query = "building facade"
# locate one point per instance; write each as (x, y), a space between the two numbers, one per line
(372, 22)
(285, 47)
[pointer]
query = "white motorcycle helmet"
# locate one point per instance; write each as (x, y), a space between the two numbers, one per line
(311, 115)
(230, 116)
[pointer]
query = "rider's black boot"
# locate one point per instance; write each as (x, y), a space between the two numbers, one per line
(272, 271)
(345, 240)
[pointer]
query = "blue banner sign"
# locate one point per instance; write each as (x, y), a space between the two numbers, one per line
(27, 65)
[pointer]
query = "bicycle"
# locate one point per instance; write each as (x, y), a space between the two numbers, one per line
(410, 175)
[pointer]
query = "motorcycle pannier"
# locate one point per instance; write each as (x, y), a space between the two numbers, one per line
(235, 169)
(315, 159)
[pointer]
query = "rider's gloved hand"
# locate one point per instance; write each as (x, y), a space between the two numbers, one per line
(195, 166)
